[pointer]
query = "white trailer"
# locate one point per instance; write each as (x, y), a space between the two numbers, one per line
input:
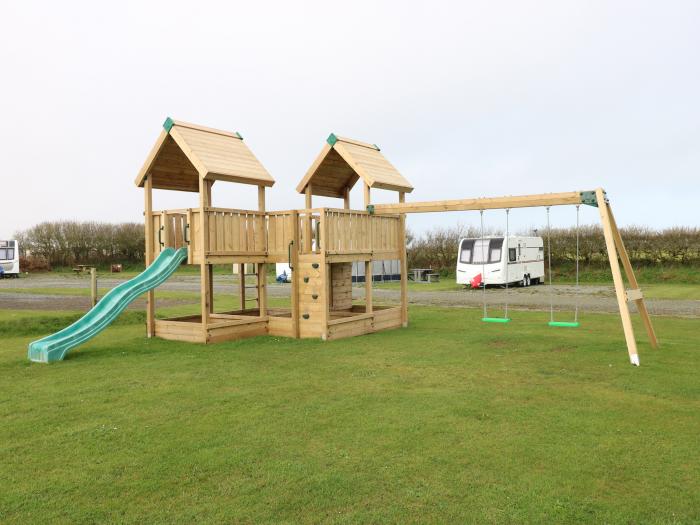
(9, 259)
(481, 261)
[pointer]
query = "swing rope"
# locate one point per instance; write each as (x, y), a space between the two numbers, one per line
(486, 318)
(483, 268)
(504, 254)
(578, 287)
(549, 268)
(552, 322)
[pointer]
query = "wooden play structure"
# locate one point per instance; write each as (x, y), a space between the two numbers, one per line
(319, 244)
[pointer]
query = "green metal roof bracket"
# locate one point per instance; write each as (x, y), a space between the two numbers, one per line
(332, 139)
(370, 209)
(168, 124)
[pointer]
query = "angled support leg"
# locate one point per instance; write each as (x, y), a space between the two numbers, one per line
(617, 277)
(632, 280)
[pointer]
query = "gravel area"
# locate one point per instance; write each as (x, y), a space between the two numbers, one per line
(593, 298)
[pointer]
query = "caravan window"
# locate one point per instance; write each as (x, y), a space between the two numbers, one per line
(481, 251)
(7, 254)
(465, 251)
(495, 248)
(511, 254)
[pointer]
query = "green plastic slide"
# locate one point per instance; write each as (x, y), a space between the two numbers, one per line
(55, 347)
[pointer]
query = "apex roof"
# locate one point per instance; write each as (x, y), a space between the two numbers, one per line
(342, 162)
(184, 152)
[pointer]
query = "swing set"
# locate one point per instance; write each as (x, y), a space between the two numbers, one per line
(616, 252)
(505, 319)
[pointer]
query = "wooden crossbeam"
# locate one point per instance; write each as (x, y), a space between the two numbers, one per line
(482, 203)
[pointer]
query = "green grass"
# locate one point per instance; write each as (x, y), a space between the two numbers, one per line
(672, 291)
(449, 421)
(657, 274)
(446, 284)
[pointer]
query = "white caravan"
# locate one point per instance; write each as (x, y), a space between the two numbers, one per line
(9, 259)
(523, 265)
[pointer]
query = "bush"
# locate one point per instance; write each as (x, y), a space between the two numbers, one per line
(65, 243)
(437, 248)
(33, 263)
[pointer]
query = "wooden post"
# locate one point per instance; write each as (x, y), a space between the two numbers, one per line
(403, 264)
(241, 284)
(346, 198)
(93, 286)
(261, 198)
(368, 264)
(204, 271)
(148, 254)
(307, 220)
(325, 271)
(210, 269)
(617, 278)
(368, 287)
(632, 280)
(295, 273)
(262, 267)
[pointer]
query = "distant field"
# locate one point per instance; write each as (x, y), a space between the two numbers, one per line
(448, 421)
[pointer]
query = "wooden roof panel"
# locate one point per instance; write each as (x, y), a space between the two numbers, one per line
(225, 155)
(342, 162)
(184, 152)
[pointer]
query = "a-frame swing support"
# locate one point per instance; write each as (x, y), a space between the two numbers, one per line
(613, 241)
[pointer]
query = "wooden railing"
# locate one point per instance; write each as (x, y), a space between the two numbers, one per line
(232, 233)
(349, 232)
(385, 234)
(236, 232)
(174, 228)
(169, 230)
(280, 232)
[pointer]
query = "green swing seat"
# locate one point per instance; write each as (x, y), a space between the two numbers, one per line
(564, 324)
(496, 319)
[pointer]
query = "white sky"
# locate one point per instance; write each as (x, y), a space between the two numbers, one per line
(464, 98)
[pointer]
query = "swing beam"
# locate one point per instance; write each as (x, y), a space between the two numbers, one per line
(616, 249)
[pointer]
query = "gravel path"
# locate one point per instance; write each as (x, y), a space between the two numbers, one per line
(594, 298)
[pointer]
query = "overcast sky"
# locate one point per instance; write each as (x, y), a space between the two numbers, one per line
(464, 98)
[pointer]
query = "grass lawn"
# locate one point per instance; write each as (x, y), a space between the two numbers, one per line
(448, 421)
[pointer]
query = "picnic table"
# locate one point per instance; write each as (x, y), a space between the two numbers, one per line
(422, 275)
(82, 268)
